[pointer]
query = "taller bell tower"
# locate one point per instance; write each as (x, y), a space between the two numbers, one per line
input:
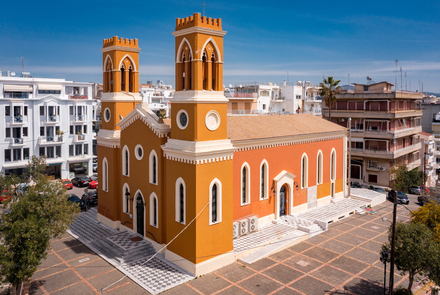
(198, 153)
(120, 60)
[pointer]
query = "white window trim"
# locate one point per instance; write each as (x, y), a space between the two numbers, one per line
(138, 146)
(305, 173)
(178, 119)
(177, 200)
(150, 165)
(266, 179)
(333, 169)
(124, 199)
(105, 174)
(319, 170)
(105, 117)
(152, 197)
(124, 150)
(219, 201)
(248, 184)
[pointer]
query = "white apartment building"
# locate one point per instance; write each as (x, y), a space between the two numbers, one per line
(267, 95)
(429, 166)
(46, 117)
(157, 96)
(301, 97)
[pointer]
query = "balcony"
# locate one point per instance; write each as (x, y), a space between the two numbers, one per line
(79, 138)
(389, 134)
(17, 141)
(78, 96)
(278, 99)
(51, 119)
(315, 99)
(414, 164)
(17, 120)
(373, 114)
(80, 118)
(57, 139)
(386, 154)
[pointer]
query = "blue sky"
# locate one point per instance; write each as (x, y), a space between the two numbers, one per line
(265, 39)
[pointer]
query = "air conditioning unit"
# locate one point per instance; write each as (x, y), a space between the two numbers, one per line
(244, 226)
(381, 168)
(253, 223)
(341, 120)
(235, 228)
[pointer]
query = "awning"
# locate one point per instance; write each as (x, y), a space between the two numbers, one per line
(50, 87)
(18, 88)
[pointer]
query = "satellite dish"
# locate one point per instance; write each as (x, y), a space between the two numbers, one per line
(230, 86)
(13, 74)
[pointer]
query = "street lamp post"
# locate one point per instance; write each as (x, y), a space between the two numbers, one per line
(349, 157)
(383, 258)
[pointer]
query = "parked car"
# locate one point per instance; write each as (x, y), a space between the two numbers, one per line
(92, 196)
(402, 198)
(425, 189)
(75, 199)
(423, 199)
(67, 183)
(80, 181)
(94, 177)
(78, 168)
(5, 196)
(378, 189)
(93, 184)
(416, 190)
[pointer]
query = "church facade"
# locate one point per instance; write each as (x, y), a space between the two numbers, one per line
(198, 173)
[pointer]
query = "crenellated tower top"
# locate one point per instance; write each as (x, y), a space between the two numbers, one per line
(197, 20)
(115, 41)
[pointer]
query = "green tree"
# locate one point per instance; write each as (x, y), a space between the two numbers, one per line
(429, 215)
(414, 248)
(38, 213)
(403, 179)
(329, 89)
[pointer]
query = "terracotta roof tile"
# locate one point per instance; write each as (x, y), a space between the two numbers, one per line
(267, 126)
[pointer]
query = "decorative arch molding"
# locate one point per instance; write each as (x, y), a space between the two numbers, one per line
(105, 174)
(319, 167)
(218, 202)
(154, 210)
(138, 192)
(153, 164)
(264, 180)
(245, 184)
(333, 165)
(179, 51)
(130, 58)
(304, 171)
(104, 66)
(215, 46)
(125, 161)
(284, 178)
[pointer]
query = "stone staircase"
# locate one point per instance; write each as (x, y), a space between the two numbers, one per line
(311, 227)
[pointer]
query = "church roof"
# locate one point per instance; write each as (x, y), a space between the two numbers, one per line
(270, 126)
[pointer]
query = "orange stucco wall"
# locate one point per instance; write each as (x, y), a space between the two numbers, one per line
(197, 129)
(285, 158)
(116, 109)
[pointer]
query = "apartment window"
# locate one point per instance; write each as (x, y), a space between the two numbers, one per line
(78, 149)
(58, 110)
(86, 149)
(42, 152)
(70, 150)
(71, 129)
(8, 132)
(264, 106)
(298, 97)
(7, 110)
(71, 110)
(25, 111)
(372, 164)
(41, 131)
(25, 131)
(50, 152)
(7, 155)
(57, 129)
(85, 129)
(41, 111)
(17, 154)
(49, 91)
(58, 151)
(26, 154)
(78, 129)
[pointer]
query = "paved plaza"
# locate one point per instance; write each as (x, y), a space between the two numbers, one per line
(342, 260)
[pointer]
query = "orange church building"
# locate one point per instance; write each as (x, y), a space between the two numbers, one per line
(157, 175)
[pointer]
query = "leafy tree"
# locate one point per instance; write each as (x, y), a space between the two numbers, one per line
(429, 215)
(38, 213)
(414, 248)
(403, 179)
(329, 89)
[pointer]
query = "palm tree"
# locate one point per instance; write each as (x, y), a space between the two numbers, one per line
(329, 89)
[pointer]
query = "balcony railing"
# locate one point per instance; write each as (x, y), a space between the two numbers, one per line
(50, 139)
(80, 117)
(17, 141)
(78, 138)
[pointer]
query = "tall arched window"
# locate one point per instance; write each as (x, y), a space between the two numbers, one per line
(333, 165)
(130, 79)
(245, 184)
(183, 71)
(189, 73)
(204, 70)
(154, 210)
(264, 180)
(215, 202)
(319, 168)
(126, 198)
(153, 167)
(125, 161)
(105, 175)
(214, 71)
(180, 200)
(304, 171)
(122, 78)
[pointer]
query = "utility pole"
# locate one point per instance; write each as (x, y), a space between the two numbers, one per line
(393, 241)
(349, 157)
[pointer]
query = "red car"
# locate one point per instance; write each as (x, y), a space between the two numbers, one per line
(93, 184)
(4, 196)
(67, 183)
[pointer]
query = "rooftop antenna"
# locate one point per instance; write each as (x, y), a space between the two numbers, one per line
(349, 86)
(395, 75)
(204, 8)
(22, 64)
(401, 82)
(406, 83)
